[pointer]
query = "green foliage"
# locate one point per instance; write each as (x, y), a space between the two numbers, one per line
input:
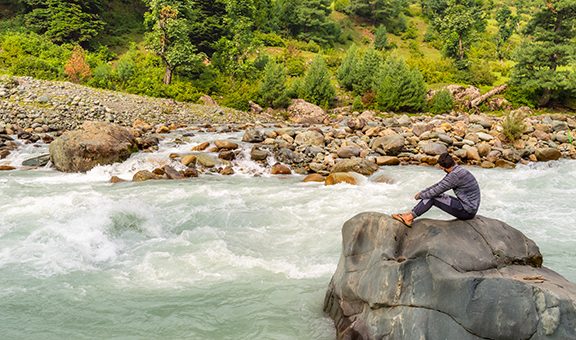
(346, 73)
(507, 24)
(542, 61)
(237, 93)
(269, 39)
(32, 55)
(513, 126)
(366, 72)
(357, 105)
(389, 13)
(308, 20)
(457, 21)
(168, 36)
(65, 21)
(520, 96)
(317, 87)
(381, 38)
(441, 102)
(272, 90)
(400, 87)
(341, 5)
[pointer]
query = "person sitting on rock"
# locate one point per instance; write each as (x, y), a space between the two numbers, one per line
(464, 206)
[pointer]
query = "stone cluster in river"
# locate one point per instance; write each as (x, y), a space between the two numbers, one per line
(311, 142)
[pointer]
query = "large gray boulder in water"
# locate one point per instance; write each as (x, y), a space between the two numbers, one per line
(476, 279)
(95, 143)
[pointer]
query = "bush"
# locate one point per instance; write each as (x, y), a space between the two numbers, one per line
(513, 125)
(269, 39)
(103, 77)
(346, 73)
(76, 68)
(29, 54)
(442, 102)
(357, 105)
(520, 96)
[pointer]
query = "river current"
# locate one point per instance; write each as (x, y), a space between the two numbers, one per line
(247, 256)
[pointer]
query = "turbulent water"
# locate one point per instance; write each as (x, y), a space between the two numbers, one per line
(239, 257)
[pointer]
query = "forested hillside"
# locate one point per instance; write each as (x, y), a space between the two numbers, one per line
(372, 54)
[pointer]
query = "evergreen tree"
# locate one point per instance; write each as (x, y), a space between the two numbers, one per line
(506, 26)
(168, 38)
(400, 88)
(62, 21)
(346, 73)
(367, 72)
(208, 26)
(317, 87)
(541, 62)
(272, 90)
(308, 20)
(386, 12)
(380, 38)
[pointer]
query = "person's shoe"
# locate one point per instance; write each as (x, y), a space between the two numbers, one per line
(405, 218)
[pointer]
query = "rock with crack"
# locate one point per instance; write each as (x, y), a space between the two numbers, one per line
(476, 279)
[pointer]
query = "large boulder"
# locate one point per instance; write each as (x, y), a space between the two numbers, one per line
(302, 112)
(476, 279)
(96, 143)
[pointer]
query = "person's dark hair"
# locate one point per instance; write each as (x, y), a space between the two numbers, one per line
(446, 161)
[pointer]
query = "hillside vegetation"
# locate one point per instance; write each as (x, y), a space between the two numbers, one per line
(372, 54)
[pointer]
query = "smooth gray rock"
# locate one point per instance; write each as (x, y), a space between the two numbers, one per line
(476, 279)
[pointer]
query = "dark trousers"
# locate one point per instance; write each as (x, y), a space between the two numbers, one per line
(446, 203)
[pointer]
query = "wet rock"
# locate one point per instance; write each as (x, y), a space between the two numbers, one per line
(172, 173)
(201, 147)
(349, 151)
(548, 154)
(253, 136)
(206, 160)
(37, 161)
(313, 178)
(387, 160)
(445, 280)
(225, 145)
(390, 145)
(280, 169)
(341, 177)
(310, 137)
(361, 166)
(433, 148)
(116, 179)
(96, 143)
(6, 168)
(257, 154)
(144, 175)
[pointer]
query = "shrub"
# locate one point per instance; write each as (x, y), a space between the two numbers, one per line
(102, 77)
(442, 102)
(357, 105)
(513, 125)
(269, 39)
(76, 68)
(346, 73)
(366, 71)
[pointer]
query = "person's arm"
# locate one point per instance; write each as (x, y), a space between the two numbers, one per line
(448, 182)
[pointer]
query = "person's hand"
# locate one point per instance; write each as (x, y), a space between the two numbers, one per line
(417, 196)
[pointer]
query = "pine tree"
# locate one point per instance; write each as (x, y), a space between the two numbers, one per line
(317, 87)
(400, 88)
(64, 21)
(169, 35)
(381, 38)
(386, 12)
(272, 90)
(308, 20)
(346, 73)
(541, 62)
(367, 71)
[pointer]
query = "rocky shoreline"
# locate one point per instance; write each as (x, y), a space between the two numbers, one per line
(310, 141)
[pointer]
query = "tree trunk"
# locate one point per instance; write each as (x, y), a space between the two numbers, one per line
(545, 98)
(482, 98)
(168, 75)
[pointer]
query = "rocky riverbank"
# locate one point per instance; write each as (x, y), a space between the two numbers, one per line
(310, 141)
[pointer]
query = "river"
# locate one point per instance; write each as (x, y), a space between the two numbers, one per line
(215, 257)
